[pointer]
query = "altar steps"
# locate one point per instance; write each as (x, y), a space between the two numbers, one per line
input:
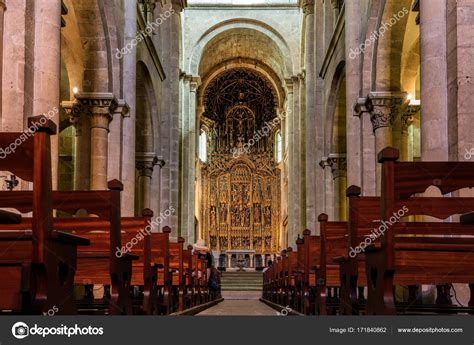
(242, 285)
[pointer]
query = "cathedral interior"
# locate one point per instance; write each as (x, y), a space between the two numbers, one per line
(238, 122)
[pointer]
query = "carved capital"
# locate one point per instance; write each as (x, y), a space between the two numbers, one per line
(324, 163)
(308, 6)
(122, 108)
(145, 163)
(361, 107)
(408, 115)
(338, 164)
(74, 112)
(100, 106)
(384, 108)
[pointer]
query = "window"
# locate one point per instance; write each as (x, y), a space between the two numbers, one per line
(203, 146)
(278, 147)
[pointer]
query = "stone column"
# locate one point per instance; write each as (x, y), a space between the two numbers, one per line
(434, 93)
(320, 205)
(120, 112)
(145, 165)
(170, 42)
(81, 124)
(310, 125)
(384, 107)
(189, 154)
(328, 188)
(338, 164)
(328, 23)
(156, 186)
(291, 157)
(368, 163)
(129, 122)
(99, 107)
(46, 69)
(408, 115)
(353, 81)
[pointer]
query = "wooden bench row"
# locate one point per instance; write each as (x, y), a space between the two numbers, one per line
(43, 258)
(380, 248)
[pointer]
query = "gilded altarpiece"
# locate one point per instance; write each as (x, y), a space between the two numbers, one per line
(240, 183)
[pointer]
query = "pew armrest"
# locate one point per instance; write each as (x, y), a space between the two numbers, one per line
(64, 237)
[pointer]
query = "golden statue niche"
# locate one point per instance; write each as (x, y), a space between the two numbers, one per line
(240, 180)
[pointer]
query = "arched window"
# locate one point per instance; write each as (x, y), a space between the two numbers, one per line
(203, 146)
(278, 147)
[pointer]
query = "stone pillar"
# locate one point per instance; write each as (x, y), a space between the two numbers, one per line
(320, 205)
(120, 112)
(129, 122)
(338, 164)
(328, 188)
(145, 165)
(408, 115)
(291, 157)
(384, 107)
(189, 156)
(328, 23)
(310, 125)
(156, 186)
(99, 107)
(368, 163)
(434, 93)
(170, 42)
(353, 81)
(46, 69)
(81, 124)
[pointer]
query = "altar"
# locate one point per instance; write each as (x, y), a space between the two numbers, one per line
(240, 259)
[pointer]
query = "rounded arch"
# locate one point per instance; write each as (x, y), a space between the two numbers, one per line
(391, 27)
(252, 64)
(331, 106)
(246, 24)
(146, 107)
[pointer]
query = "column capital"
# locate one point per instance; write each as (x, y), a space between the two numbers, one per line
(145, 162)
(408, 115)
(194, 81)
(338, 164)
(361, 106)
(122, 108)
(74, 112)
(100, 106)
(307, 6)
(323, 163)
(384, 107)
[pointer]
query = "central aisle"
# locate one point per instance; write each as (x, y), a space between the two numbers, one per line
(239, 308)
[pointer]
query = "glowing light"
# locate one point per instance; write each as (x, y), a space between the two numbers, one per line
(75, 90)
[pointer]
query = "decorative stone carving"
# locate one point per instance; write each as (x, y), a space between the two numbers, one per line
(324, 163)
(408, 115)
(384, 107)
(73, 111)
(338, 164)
(145, 164)
(308, 6)
(100, 106)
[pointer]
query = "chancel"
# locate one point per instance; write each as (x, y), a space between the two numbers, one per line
(236, 157)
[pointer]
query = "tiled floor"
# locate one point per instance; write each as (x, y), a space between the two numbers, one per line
(239, 307)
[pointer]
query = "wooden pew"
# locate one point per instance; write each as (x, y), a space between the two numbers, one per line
(160, 255)
(312, 257)
(37, 262)
(421, 252)
(178, 274)
(342, 238)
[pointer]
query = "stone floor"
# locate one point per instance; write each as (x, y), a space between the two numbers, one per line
(239, 308)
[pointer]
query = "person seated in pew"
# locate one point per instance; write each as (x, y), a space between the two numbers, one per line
(202, 251)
